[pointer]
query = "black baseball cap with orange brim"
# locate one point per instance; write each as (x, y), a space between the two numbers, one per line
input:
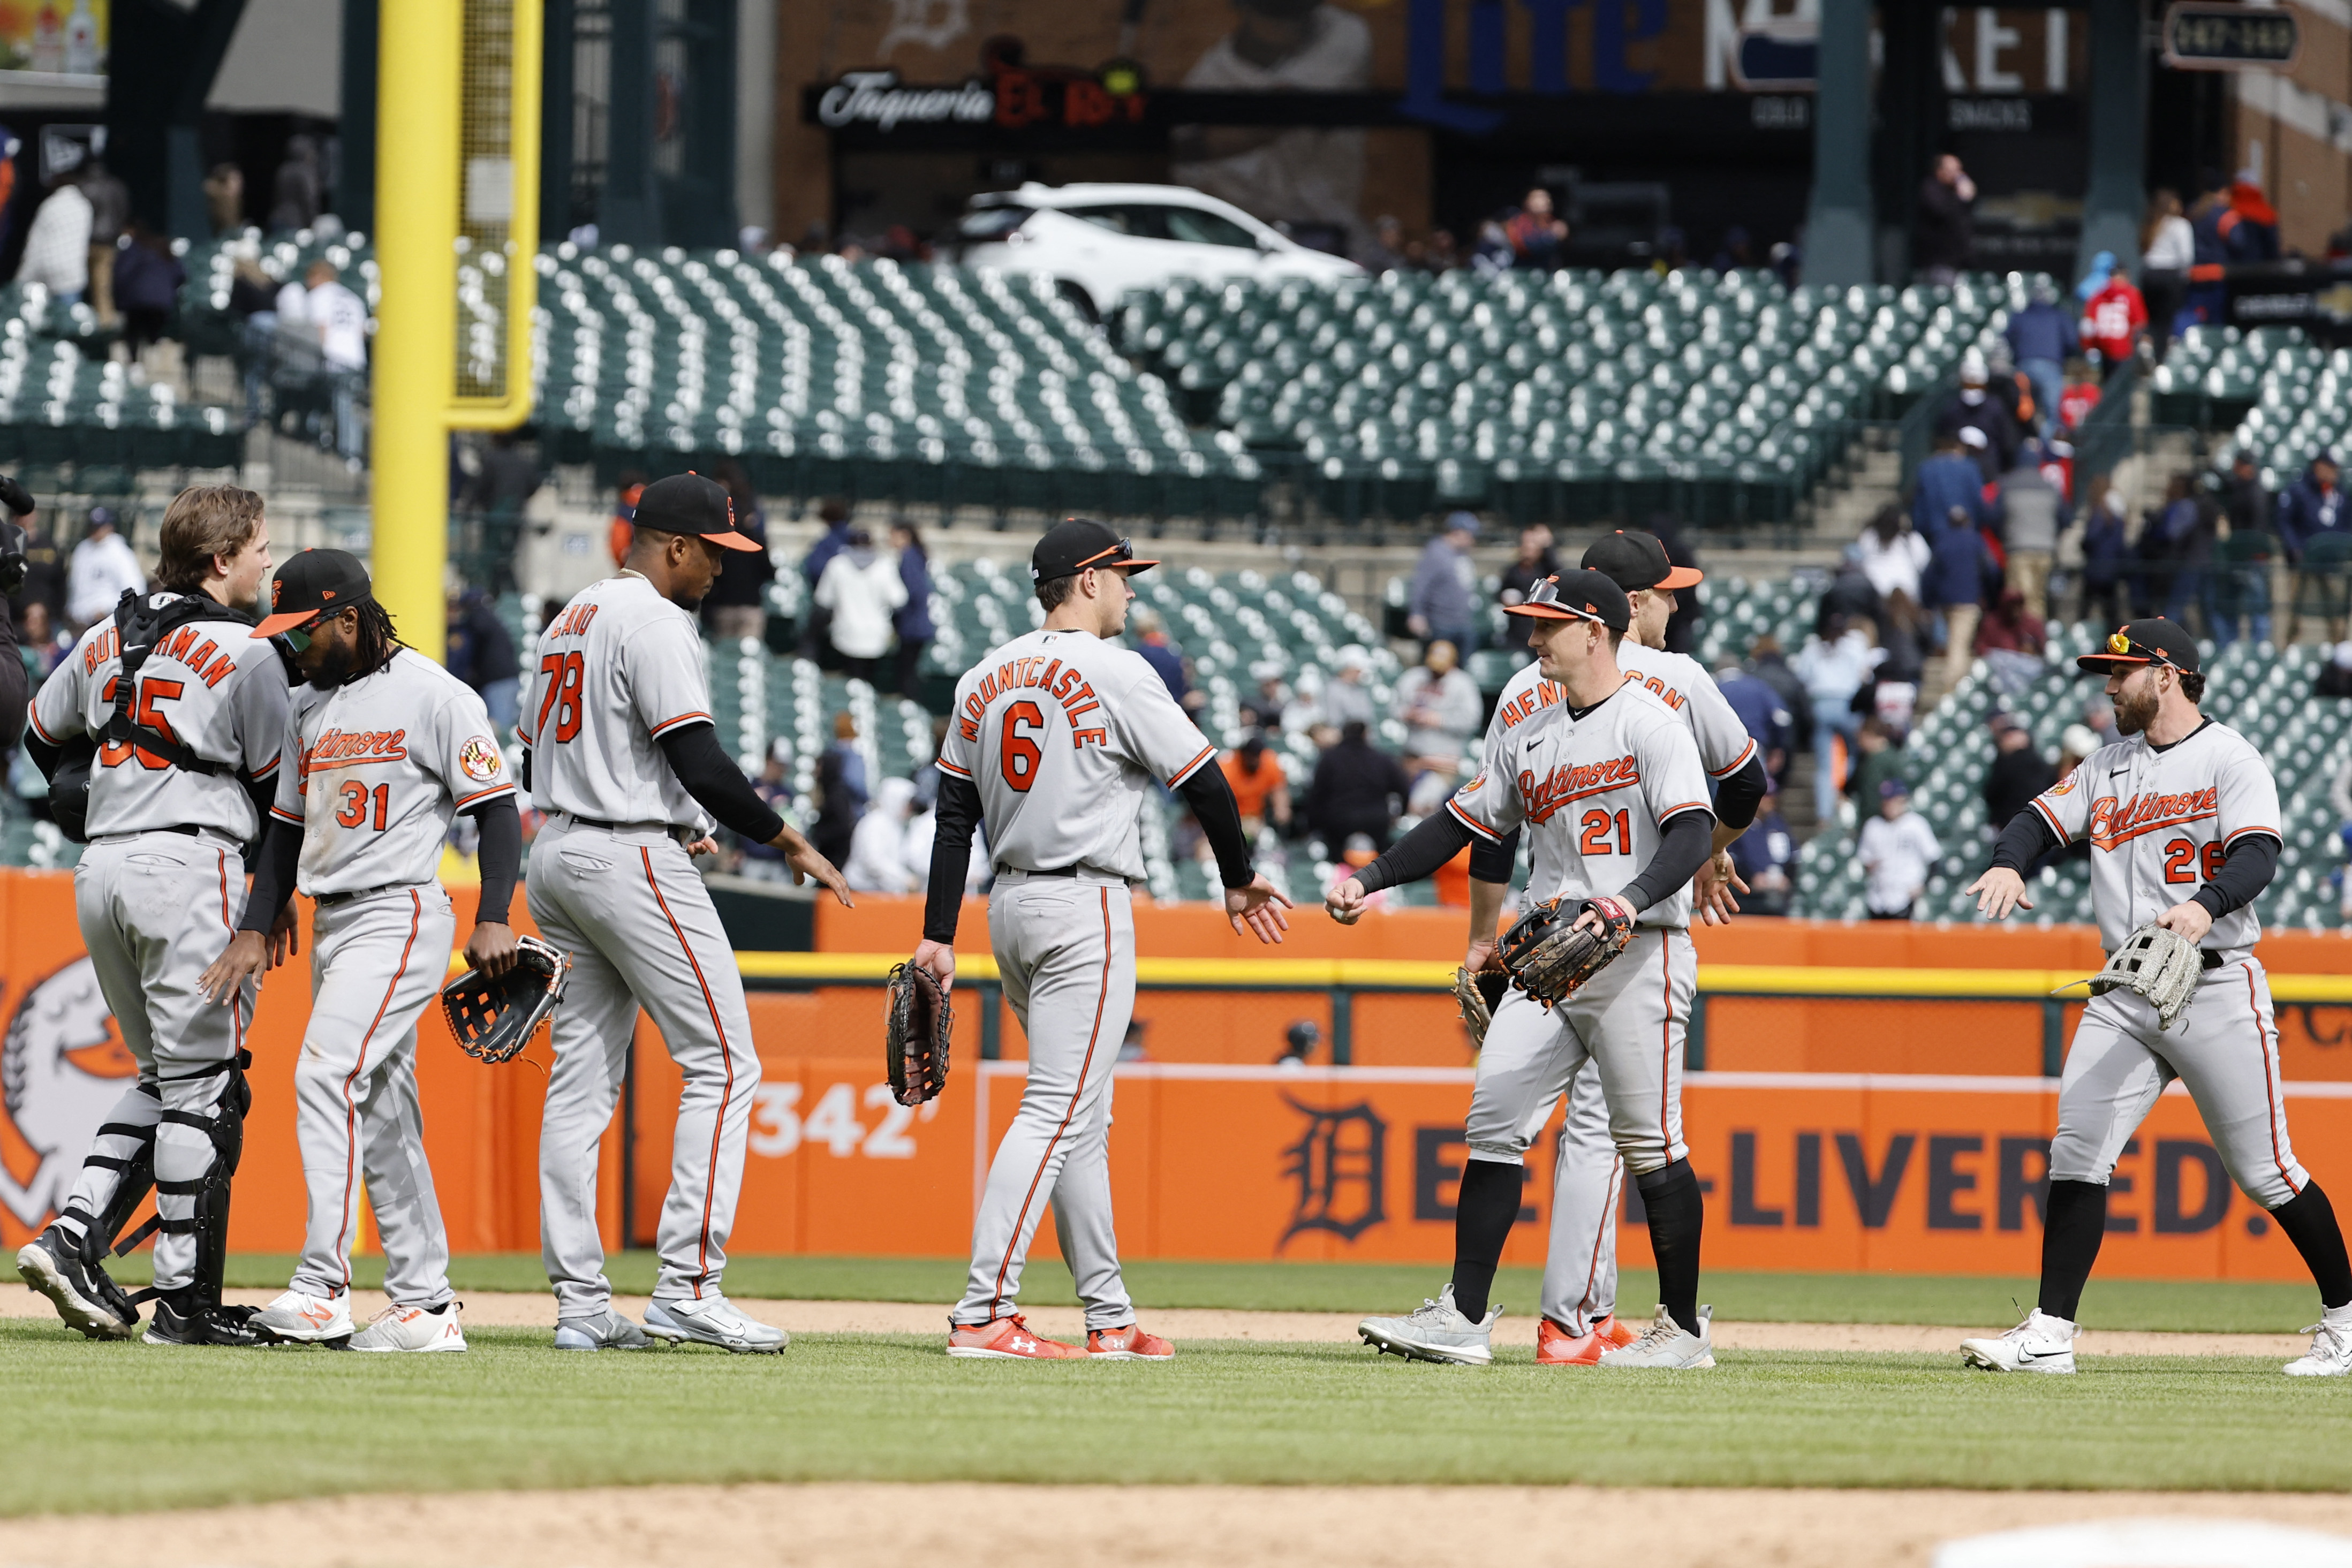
(314, 583)
(1634, 559)
(1576, 596)
(691, 504)
(2154, 641)
(1081, 544)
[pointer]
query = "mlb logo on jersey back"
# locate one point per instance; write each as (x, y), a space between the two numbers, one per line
(479, 761)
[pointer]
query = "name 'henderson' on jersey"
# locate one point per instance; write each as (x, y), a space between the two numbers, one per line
(1064, 735)
(209, 685)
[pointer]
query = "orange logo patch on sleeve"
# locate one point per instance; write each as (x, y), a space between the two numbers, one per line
(481, 760)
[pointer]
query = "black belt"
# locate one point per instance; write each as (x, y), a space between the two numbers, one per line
(329, 900)
(1057, 870)
(2209, 959)
(683, 835)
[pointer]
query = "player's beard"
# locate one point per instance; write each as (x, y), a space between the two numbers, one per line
(335, 666)
(2134, 711)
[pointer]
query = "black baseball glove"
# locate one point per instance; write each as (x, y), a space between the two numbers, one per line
(916, 1030)
(1550, 956)
(495, 1019)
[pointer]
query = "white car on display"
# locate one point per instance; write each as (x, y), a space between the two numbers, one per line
(1100, 241)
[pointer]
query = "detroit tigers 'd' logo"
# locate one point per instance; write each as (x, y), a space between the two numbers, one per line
(1340, 1164)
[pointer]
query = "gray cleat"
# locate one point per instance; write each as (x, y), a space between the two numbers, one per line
(607, 1330)
(713, 1319)
(1667, 1346)
(1438, 1332)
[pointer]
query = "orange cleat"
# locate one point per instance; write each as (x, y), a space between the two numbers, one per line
(1007, 1339)
(1129, 1343)
(1555, 1346)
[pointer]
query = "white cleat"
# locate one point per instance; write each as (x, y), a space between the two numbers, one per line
(607, 1330)
(2330, 1355)
(713, 1319)
(1436, 1332)
(2039, 1344)
(306, 1319)
(1667, 1346)
(413, 1328)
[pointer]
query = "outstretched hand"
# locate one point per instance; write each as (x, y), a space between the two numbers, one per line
(1998, 891)
(802, 856)
(1259, 908)
(1345, 902)
(1712, 889)
(247, 958)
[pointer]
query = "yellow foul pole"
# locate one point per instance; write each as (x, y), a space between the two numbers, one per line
(416, 319)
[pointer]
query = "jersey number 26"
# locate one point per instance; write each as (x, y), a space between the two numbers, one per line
(2180, 858)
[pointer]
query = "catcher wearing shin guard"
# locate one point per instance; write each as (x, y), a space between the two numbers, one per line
(2182, 818)
(1608, 784)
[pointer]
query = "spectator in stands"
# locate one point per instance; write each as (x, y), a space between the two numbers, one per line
(2030, 514)
(145, 278)
(1445, 598)
(39, 643)
(1536, 233)
(109, 216)
(1948, 479)
(1166, 658)
(2313, 505)
(294, 194)
(1260, 786)
(1766, 858)
(1945, 231)
(2114, 313)
(1953, 588)
(2168, 250)
(835, 515)
(737, 604)
(324, 312)
(45, 576)
(2339, 797)
(2099, 718)
(2011, 389)
(481, 652)
(2019, 773)
(2010, 639)
(912, 618)
(1346, 699)
(1490, 252)
(841, 792)
(1897, 849)
(102, 570)
(877, 847)
(2106, 558)
(1763, 713)
(1386, 250)
(2186, 529)
(2042, 338)
(1974, 407)
(57, 248)
(507, 479)
(763, 862)
(2249, 229)
(861, 592)
(1903, 662)
(1770, 665)
(2209, 221)
(1441, 711)
(1850, 592)
(1894, 553)
(1835, 664)
(1535, 562)
(1357, 788)
(224, 198)
(2079, 397)
(624, 528)
(1876, 760)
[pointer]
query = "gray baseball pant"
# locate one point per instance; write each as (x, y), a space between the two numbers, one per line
(1580, 1282)
(1066, 952)
(375, 962)
(628, 907)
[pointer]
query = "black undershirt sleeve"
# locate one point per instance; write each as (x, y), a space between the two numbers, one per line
(956, 814)
(2246, 870)
(273, 867)
(1418, 853)
(1210, 794)
(1495, 861)
(1683, 848)
(261, 792)
(44, 755)
(719, 785)
(2025, 841)
(501, 858)
(1737, 797)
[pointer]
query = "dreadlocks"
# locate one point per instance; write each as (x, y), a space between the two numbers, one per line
(377, 641)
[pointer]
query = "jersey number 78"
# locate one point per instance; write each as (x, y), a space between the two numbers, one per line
(564, 675)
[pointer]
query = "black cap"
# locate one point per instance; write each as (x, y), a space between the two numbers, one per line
(1637, 560)
(315, 582)
(691, 504)
(1576, 596)
(1074, 544)
(2151, 642)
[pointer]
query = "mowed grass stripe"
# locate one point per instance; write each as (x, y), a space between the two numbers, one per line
(124, 1426)
(2186, 1306)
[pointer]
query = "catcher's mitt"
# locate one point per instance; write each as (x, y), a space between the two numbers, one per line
(495, 1019)
(2159, 964)
(916, 1027)
(1550, 958)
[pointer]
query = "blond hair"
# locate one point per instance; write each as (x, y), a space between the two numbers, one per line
(201, 523)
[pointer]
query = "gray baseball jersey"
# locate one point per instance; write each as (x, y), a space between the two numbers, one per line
(1674, 679)
(2160, 822)
(617, 668)
(1598, 787)
(1064, 735)
(381, 765)
(211, 686)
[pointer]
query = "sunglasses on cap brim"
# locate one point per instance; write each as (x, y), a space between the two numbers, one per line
(2121, 649)
(1121, 554)
(1543, 600)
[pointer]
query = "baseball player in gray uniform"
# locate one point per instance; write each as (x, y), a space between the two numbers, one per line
(383, 748)
(1609, 780)
(625, 761)
(1059, 739)
(2182, 818)
(1580, 1283)
(182, 774)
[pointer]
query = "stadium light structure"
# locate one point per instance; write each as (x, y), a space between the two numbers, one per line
(456, 242)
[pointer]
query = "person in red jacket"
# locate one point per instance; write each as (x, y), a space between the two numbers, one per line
(2114, 314)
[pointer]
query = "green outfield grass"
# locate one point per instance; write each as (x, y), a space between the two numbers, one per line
(125, 1426)
(2196, 1305)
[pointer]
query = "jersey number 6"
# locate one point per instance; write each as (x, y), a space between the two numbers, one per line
(564, 675)
(1016, 755)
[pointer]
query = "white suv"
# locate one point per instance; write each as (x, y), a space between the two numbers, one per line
(1100, 241)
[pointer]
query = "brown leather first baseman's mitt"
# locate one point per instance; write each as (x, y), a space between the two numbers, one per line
(1551, 957)
(916, 1027)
